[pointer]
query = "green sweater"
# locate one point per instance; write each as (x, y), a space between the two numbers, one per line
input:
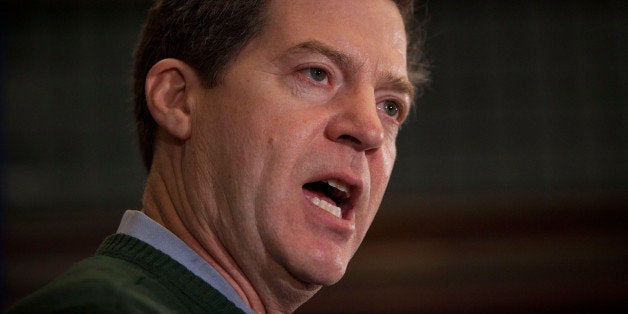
(126, 276)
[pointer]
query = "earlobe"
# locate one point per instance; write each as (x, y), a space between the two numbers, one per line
(167, 96)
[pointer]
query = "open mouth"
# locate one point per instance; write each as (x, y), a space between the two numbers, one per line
(330, 195)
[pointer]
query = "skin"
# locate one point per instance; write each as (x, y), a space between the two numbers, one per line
(313, 97)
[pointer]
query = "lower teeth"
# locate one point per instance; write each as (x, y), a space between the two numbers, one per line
(323, 204)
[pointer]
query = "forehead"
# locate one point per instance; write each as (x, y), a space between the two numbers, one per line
(367, 30)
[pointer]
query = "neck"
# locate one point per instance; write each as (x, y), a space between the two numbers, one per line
(162, 203)
(167, 202)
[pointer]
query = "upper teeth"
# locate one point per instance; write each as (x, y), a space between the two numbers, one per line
(339, 185)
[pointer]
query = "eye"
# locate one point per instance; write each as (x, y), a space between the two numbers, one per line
(317, 74)
(390, 108)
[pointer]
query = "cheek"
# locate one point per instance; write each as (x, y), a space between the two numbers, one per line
(229, 150)
(381, 166)
(390, 154)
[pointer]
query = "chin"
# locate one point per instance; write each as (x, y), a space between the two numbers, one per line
(319, 269)
(317, 277)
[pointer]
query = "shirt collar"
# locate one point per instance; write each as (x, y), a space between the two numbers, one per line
(136, 224)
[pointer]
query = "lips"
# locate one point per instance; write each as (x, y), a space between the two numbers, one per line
(332, 195)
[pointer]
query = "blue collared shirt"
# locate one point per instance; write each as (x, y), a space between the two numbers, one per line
(136, 224)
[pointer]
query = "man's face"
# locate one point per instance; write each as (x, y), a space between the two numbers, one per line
(289, 157)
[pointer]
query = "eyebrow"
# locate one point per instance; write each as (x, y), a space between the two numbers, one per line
(398, 84)
(337, 56)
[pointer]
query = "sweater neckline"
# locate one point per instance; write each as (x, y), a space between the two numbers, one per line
(166, 270)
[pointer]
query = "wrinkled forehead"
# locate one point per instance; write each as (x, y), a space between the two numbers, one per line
(367, 30)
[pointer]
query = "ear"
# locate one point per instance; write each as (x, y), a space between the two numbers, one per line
(168, 86)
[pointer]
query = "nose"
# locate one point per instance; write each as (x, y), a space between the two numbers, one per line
(356, 122)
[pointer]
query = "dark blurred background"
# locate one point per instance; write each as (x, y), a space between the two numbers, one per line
(510, 192)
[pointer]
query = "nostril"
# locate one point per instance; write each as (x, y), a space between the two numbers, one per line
(349, 138)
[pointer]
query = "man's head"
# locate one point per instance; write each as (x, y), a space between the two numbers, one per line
(283, 155)
(208, 35)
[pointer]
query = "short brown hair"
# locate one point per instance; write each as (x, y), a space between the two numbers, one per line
(207, 35)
